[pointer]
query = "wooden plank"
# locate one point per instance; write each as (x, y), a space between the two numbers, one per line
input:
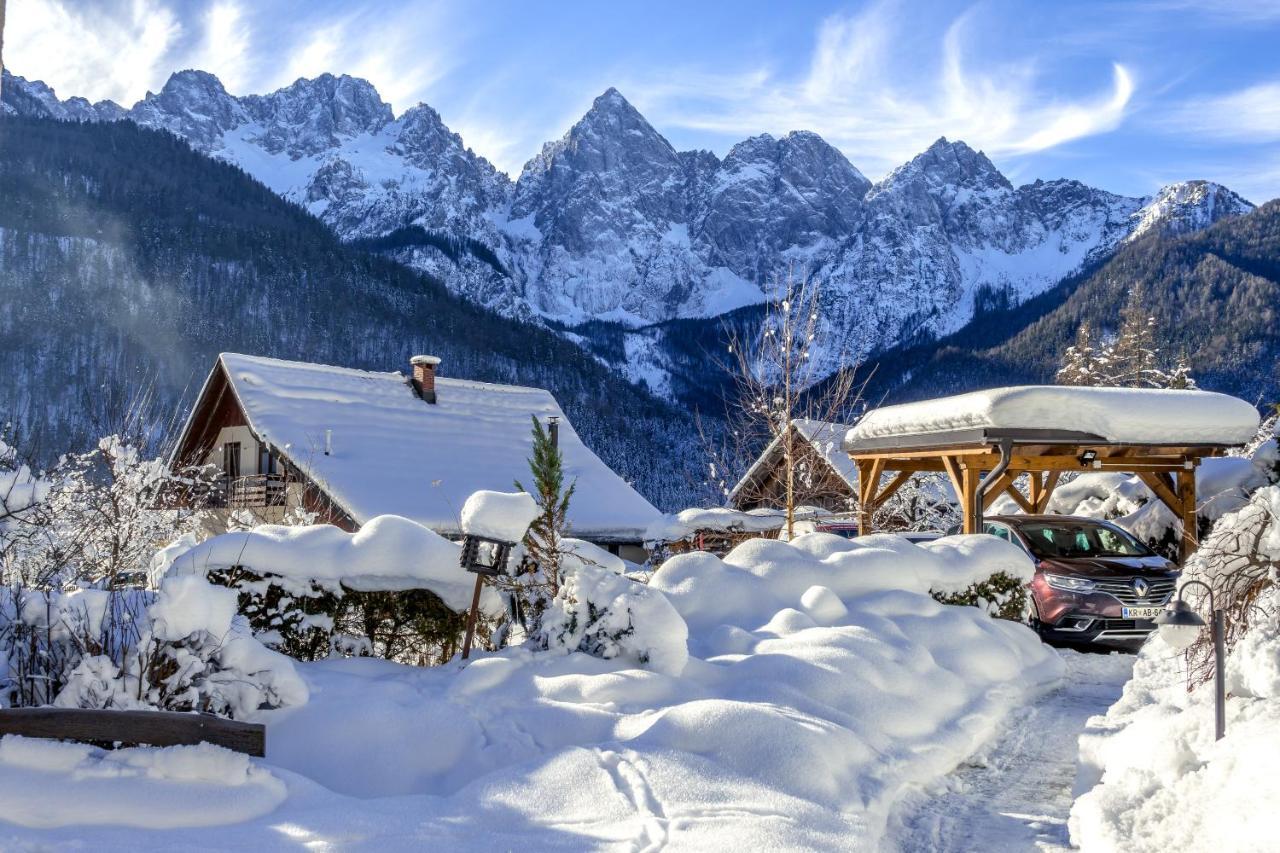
(952, 467)
(1020, 499)
(133, 728)
(1163, 492)
(1003, 482)
(893, 486)
(1051, 479)
(970, 503)
(1190, 522)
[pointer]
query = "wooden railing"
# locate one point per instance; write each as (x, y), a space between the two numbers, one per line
(250, 491)
(133, 728)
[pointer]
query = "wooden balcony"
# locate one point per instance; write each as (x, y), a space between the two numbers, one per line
(250, 492)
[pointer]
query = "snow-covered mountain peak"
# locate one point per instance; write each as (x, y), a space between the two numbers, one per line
(310, 116)
(1187, 206)
(36, 98)
(946, 164)
(194, 105)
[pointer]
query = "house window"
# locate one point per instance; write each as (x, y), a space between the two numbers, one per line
(231, 459)
(266, 460)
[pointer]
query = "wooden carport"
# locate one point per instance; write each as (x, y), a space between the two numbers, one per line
(984, 463)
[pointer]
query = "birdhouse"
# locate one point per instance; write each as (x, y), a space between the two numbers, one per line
(484, 556)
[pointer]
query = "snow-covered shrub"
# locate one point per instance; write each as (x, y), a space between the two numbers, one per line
(181, 649)
(1153, 778)
(394, 588)
(601, 612)
(95, 517)
(994, 577)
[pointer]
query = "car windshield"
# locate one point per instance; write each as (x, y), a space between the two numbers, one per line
(1048, 539)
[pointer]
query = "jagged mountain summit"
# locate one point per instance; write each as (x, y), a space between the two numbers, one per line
(611, 222)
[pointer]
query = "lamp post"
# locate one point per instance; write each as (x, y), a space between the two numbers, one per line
(1179, 626)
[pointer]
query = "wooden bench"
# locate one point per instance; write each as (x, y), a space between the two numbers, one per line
(109, 729)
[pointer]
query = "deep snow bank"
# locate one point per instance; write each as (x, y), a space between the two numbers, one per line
(822, 684)
(49, 783)
(1152, 774)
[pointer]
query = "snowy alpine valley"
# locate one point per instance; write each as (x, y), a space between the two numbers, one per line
(861, 435)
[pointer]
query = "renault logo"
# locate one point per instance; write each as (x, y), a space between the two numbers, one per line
(1140, 587)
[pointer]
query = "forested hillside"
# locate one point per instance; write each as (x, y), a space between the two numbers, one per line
(1214, 295)
(128, 260)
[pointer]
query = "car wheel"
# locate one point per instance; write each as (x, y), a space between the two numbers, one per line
(1031, 616)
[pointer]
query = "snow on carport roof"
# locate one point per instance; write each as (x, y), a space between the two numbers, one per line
(395, 454)
(1115, 415)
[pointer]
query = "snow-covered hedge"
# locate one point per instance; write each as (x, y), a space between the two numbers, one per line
(822, 685)
(394, 588)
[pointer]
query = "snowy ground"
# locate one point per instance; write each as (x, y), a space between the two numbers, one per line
(820, 685)
(1018, 794)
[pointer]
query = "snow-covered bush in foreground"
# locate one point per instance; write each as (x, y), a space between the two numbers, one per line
(823, 684)
(601, 612)
(181, 649)
(393, 588)
(1155, 777)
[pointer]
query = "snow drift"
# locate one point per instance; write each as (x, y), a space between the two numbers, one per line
(821, 684)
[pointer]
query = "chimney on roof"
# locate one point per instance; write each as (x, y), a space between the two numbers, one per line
(424, 376)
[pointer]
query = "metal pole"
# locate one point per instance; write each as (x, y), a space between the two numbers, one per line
(1219, 631)
(471, 618)
(553, 428)
(1220, 674)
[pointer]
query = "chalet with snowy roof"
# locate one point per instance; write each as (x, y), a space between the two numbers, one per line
(351, 445)
(825, 475)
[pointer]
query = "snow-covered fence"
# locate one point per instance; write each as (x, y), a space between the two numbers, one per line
(112, 729)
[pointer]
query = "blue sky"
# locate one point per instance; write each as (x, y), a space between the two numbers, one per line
(1122, 95)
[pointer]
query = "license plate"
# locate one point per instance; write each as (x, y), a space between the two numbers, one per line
(1141, 612)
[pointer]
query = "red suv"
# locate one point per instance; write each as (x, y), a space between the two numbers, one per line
(1094, 582)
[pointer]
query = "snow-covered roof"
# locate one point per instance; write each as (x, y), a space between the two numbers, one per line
(825, 438)
(720, 519)
(395, 454)
(1115, 415)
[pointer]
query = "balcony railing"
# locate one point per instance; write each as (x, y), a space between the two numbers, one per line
(249, 492)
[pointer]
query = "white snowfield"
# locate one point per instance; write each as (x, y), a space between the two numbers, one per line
(1124, 415)
(391, 453)
(822, 685)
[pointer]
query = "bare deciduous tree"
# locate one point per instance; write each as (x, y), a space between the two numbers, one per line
(778, 380)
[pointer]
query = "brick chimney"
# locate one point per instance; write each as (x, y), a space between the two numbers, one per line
(424, 376)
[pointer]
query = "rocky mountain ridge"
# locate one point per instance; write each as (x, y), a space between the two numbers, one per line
(612, 223)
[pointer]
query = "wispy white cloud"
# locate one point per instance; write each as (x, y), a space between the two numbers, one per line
(1249, 115)
(120, 49)
(861, 97)
(113, 50)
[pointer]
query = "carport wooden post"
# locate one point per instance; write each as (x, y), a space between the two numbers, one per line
(1190, 520)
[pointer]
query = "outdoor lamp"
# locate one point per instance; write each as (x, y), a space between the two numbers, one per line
(1179, 626)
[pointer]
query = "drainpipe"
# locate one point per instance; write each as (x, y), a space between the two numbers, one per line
(1006, 456)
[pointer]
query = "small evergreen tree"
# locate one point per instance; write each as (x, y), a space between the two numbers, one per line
(1080, 362)
(542, 541)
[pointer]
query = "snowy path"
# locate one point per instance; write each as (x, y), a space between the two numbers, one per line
(1017, 796)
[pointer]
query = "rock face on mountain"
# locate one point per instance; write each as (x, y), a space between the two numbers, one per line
(610, 222)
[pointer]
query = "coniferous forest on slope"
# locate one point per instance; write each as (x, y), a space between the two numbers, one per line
(129, 261)
(1214, 295)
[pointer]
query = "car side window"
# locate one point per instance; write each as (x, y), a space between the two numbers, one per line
(998, 530)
